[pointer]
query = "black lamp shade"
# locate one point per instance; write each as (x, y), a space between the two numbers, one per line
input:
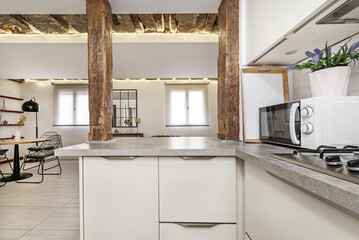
(30, 106)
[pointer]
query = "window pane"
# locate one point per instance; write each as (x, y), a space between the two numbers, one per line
(82, 108)
(177, 108)
(197, 107)
(65, 108)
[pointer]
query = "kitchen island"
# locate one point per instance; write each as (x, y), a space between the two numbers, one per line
(174, 188)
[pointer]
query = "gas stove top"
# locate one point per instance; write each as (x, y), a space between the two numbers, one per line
(342, 163)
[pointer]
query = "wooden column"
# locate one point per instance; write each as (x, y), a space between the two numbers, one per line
(99, 17)
(228, 70)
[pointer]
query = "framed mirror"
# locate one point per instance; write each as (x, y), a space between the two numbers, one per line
(124, 108)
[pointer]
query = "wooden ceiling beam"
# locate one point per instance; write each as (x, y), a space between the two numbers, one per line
(17, 80)
(160, 22)
(64, 23)
(5, 31)
(22, 20)
(173, 23)
(137, 23)
(115, 20)
(211, 18)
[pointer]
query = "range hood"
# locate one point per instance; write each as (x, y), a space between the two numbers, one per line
(333, 22)
(347, 13)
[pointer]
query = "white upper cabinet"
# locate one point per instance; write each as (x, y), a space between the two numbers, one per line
(263, 25)
(267, 21)
(274, 28)
(295, 11)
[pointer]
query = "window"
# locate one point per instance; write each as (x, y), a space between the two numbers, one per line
(186, 105)
(71, 106)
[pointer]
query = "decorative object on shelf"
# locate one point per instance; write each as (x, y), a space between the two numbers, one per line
(32, 106)
(20, 123)
(3, 107)
(5, 122)
(22, 120)
(330, 72)
(116, 131)
(128, 122)
(137, 121)
(17, 135)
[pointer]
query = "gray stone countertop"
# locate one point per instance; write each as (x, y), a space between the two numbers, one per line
(341, 194)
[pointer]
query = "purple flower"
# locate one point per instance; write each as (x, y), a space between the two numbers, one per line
(315, 59)
(353, 47)
(329, 52)
(318, 52)
(310, 54)
(291, 67)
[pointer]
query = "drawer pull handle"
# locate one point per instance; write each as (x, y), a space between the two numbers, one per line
(204, 225)
(197, 158)
(121, 158)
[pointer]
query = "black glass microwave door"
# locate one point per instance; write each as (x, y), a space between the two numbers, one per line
(274, 124)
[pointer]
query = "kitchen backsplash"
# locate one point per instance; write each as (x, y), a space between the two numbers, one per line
(300, 79)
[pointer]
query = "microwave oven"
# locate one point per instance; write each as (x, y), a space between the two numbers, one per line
(311, 122)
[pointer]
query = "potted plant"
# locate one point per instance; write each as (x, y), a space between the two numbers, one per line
(330, 72)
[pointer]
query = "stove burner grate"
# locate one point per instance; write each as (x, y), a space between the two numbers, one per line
(323, 149)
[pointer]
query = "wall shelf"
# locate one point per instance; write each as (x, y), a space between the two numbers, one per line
(13, 98)
(11, 111)
(9, 125)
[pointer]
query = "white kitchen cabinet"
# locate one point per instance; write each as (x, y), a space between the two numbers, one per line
(197, 189)
(119, 198)
(173, 231)
(275, 210)
(266, 22)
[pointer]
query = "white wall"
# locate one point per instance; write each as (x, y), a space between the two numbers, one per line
(152, 111)
(12, 89)
(130, 60)
(43, 92)
(301, 87)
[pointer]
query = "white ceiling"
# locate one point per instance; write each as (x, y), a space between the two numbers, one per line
(118, 6)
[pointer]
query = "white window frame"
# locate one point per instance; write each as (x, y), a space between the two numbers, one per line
(74, 89)
(186, 87)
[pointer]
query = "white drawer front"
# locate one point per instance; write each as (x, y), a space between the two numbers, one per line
(120, 198)
(172, 231)
(197, 190)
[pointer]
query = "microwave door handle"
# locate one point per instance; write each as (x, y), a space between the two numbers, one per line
(292, 132)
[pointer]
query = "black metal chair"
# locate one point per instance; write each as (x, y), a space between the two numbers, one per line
(4, 158)
(42, 154)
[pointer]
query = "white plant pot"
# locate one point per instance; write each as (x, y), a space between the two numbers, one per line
(330, 81)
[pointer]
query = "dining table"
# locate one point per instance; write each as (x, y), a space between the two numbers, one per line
(17, 175)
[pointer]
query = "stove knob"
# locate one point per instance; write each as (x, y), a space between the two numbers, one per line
(306, 111)
(307, 128)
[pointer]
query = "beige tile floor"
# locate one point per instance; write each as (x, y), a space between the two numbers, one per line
(49, 210)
